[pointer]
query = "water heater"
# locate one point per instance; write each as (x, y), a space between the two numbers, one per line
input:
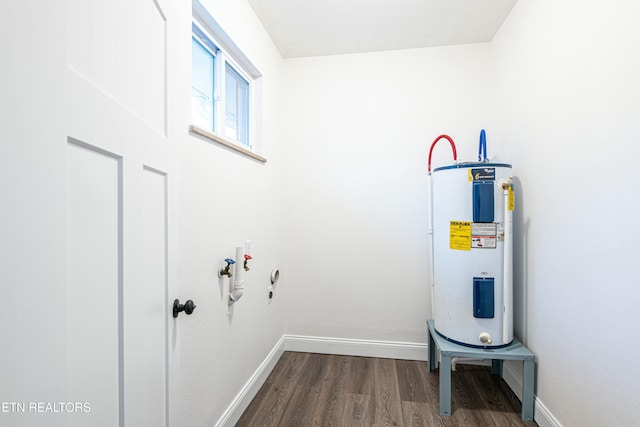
(472, 225)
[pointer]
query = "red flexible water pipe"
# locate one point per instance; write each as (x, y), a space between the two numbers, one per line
(453, 147)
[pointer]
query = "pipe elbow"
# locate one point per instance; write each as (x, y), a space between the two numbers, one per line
(236, 292)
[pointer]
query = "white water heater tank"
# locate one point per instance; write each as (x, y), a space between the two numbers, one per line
(472, 290)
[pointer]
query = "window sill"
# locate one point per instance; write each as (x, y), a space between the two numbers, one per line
(225, 142)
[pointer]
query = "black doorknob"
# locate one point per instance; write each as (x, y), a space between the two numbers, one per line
(187, 307)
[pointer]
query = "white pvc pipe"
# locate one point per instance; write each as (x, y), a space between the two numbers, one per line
(236, 291)
(507, 319)
(430, 237)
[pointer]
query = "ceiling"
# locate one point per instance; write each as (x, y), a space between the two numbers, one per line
(331, 27)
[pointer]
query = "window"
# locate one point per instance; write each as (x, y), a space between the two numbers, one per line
(221, 89)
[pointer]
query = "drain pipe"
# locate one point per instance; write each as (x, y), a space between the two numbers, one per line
(236, 291)
(430, 212)
(507, 320)
(463, 360)
(430, 237)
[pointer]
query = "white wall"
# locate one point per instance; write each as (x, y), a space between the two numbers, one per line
(342, 200)
(357, 132)
(567, 114)
(227, 198)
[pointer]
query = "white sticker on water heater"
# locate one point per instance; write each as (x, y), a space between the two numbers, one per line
(483, 235)
(500, 234)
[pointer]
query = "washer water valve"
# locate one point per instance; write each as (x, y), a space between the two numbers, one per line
(226, 271)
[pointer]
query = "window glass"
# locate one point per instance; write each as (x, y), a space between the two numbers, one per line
(236, 106)
(202, 78)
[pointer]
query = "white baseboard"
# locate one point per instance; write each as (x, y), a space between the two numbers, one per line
(242, 400)
(352, 347)
(541, 414)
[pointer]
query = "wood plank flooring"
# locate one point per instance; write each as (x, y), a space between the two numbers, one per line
(308, 389)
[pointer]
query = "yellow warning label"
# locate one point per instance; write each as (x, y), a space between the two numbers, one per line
(460, 235)
(469, 175)
(511, 199)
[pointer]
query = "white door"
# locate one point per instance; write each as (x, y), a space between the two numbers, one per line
(89, 218)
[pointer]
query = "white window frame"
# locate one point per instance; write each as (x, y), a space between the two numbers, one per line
(225, 51)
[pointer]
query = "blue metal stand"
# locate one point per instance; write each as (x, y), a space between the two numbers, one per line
(447, 350)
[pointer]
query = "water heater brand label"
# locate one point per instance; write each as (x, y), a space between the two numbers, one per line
(483, 235)
(484, 174)
(460, 235)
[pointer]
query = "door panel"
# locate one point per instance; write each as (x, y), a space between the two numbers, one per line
(119, 46)
(146, 303)
(94, 250)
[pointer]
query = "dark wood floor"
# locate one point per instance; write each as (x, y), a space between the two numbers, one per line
(307, 389)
